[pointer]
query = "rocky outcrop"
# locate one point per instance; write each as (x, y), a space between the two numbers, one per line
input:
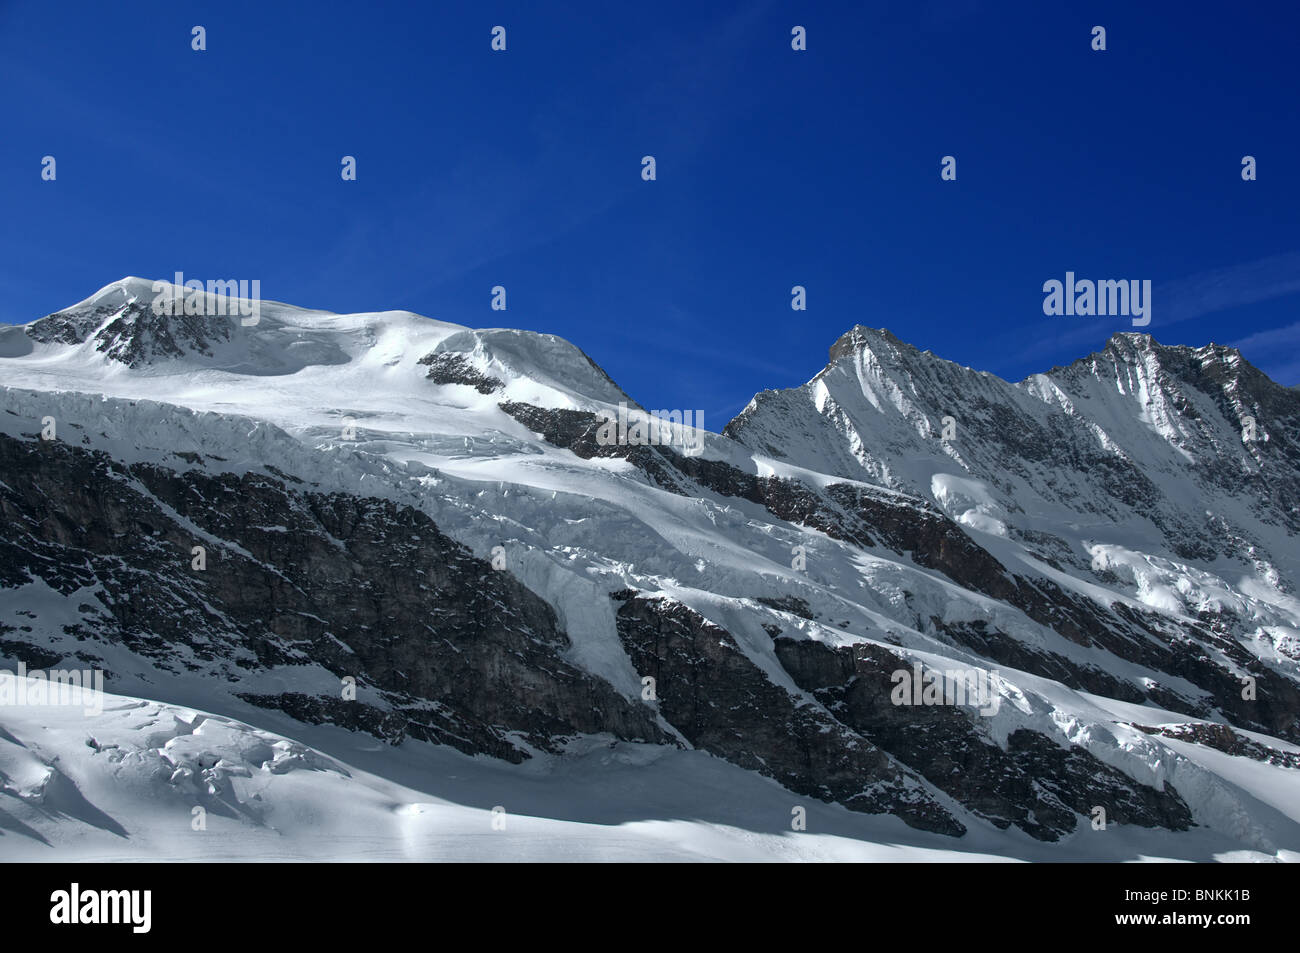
(1222, 738)
(448, 368)
(1039, 786)
(723, 703)
(328, 586)
(132, 333)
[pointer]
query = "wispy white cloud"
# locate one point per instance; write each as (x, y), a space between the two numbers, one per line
(1174, 302)
(1287, 336)
(1276, 352)
(1225, 288)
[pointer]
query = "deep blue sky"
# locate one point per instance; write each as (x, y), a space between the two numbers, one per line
(775, 168)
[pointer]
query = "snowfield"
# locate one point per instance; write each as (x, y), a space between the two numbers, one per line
(125, 785)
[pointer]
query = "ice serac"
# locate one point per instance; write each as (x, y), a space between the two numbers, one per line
(426, 513)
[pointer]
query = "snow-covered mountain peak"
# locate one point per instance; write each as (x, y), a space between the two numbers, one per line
(1131, 349)
(861, 338)
(880, 354)
(118, 293)
(139, 323)
(1137, 341)
(308, 371)
(129, 323)
(506, 354)
(1140, 434)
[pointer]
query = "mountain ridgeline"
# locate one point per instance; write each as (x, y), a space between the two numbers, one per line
(409, 528)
